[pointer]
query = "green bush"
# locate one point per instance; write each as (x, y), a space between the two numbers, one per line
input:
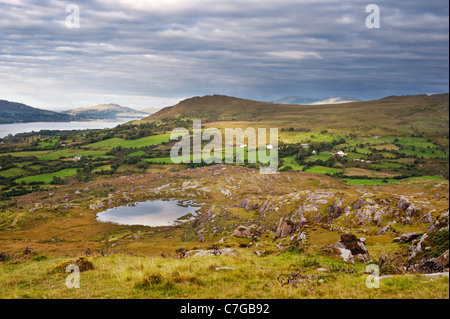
(39, 257)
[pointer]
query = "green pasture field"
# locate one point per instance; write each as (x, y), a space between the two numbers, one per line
(142, 142)
(12, 172)
(369, 182)
(323, 170)
(47, 178)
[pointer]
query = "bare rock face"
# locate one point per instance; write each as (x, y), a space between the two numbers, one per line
(244, 203)
(408, 207)
(301, 238)
(204, 217)
(386, 228)
(243, 232)
(434, 264)
(442, 261)
(406, 238)
(420, 247)
(359, 203)
(403, 203)
(336, 210)
(247, 205)
(416, 247)
(97, 205)
(412, 211)
(210, 252)
(247, 232)
(352, 248)
(440, 222)
(427, 218)
(406, 221)
(287, 226)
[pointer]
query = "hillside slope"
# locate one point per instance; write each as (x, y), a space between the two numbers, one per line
(395, 114)
(12, 112)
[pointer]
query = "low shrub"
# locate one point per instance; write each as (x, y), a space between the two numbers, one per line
(83, 264)
(39, 257)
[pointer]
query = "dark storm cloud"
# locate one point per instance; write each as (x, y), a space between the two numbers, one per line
(148, 51)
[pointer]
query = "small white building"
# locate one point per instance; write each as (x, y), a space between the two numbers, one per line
(341, 154)
(314, 152)
(77, 157)
(243, 145)
(269, 147)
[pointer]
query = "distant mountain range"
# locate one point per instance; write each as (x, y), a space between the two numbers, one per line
(13, 112)
(107, 112)
(302, 100)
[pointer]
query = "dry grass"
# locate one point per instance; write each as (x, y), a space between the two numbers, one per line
(124, 276)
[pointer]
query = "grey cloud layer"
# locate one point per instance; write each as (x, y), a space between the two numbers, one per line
(256, 49)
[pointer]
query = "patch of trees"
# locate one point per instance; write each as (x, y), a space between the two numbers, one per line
(292, 129)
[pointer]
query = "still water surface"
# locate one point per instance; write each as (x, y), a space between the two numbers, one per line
(15, 128)
(152, 213)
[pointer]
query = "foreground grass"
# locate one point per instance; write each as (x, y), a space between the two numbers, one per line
(126, 276)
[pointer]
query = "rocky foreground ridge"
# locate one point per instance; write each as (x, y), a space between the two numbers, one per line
(279, 206)
(272, 213)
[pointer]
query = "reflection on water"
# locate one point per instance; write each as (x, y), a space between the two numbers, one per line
(15, 128)
(151, 213)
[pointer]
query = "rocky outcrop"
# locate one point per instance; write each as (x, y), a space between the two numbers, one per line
(287, 226)
(429, 245)
(244, 203)
(385, 229)
(208, 215)
(406, 238)
(427, 218)
(336, 210)
(300, 238)
(403, 203)
(352, 248)
(247, 232)
(441, 221)
(442, 261)
(434, 264)
(359, 203)
(266, 207)
(210, 252)
(247, 205)
(416, 247)
(408, 207)
(97, 205)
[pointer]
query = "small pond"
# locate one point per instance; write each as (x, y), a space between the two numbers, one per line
(152, 213)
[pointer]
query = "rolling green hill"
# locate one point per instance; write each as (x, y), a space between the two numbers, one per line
(391, 115)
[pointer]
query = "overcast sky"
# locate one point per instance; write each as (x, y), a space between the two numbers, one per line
(144, 53)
